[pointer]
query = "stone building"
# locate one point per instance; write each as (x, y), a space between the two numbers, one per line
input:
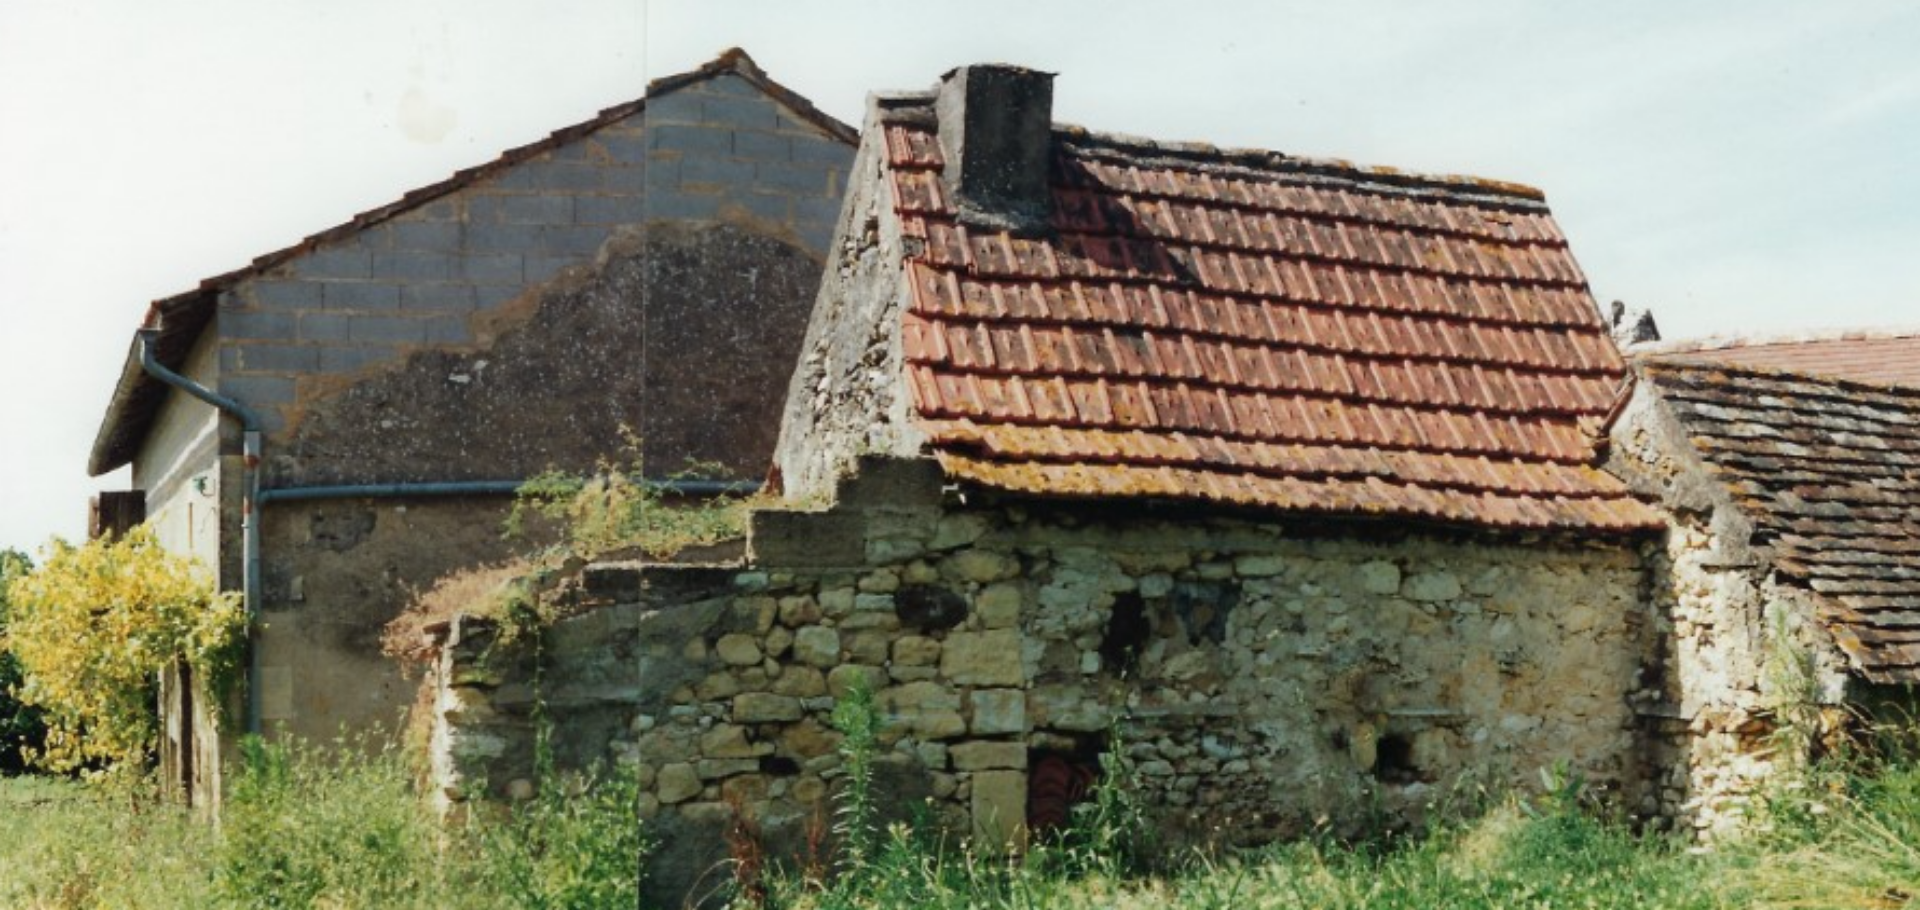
(1280, 475)
(363, 401)
(1790, 472)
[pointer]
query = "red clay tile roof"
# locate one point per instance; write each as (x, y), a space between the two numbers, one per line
(1829, 473)
(181, 318)
(1875, 356)
(1259, 330)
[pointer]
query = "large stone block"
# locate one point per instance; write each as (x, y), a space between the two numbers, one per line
(677, 783)
(779, 539)
(999, 809)
(760, 707)
(998, 711)
(386, 329)
(1379, 577)
(879, 483)
(981, 756)
(729, 741)
(816, 646)
(360, 295)
(990, 658)
(980, 566)
(916, 651)
(738, 649)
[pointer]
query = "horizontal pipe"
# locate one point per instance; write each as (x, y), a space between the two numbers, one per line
(480, 488)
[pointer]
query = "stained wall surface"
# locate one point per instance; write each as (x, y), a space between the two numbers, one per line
(1262, 677)
(1735, 650)
(648, 279)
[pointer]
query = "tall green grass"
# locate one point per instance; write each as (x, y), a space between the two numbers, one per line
(304, 830)
(1512, 857)
(309, 828)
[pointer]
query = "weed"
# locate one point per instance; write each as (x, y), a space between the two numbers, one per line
(617, 508)
(858, 721)
(1111, 832)
(304, 827)
(748, 854)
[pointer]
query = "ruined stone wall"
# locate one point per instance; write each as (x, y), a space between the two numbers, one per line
(841, 401)
(1726, 631)
(1264, 677)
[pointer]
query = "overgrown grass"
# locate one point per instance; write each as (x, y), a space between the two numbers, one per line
(1510, 858)
(1862, 850)
(307, 828)
(305, 831)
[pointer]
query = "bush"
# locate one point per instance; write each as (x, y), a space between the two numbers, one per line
(93, 627)
(22, 731)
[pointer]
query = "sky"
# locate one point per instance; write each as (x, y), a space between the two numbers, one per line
(1734, 166)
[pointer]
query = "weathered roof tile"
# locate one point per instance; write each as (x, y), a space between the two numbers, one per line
(1829, 472)
(1253, 329)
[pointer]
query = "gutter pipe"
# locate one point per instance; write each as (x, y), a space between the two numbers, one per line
(249, 506)
(480, 488)
(253, 498)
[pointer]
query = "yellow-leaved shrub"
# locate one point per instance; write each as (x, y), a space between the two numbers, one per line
(92, 628)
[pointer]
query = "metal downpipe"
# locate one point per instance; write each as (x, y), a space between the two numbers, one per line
(249, 507)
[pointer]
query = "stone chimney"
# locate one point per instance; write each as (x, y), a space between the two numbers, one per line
(996, 134)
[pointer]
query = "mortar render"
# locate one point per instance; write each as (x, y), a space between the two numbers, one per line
(181, 472)
(1286, 675)
(650, 276)
(1721, 618)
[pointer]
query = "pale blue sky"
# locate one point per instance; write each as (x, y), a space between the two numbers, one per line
(1736, 166)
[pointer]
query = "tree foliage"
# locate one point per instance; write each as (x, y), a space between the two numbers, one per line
(20, 725)
(93, 627)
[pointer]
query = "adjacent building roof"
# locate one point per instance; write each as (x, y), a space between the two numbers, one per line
(1829, 472)
(181, 318)
(1877, 356)
(1250, 328)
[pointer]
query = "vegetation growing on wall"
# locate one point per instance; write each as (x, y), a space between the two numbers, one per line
(613, 511)
(93, 627)
(616, 508)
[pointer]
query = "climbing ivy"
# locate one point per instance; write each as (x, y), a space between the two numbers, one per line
(92, 628)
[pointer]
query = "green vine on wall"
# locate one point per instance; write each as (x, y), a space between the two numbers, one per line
(92, 629)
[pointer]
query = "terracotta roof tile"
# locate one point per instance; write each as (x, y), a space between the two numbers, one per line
(1879, 357)
(1829, 472)
(1277, 334)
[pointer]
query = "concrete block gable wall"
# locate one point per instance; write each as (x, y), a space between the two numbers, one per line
(711, 151)
(499, 329)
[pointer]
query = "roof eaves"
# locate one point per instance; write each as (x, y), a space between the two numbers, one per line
(137, 397)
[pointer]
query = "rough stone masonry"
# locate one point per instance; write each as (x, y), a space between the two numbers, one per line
(1264, 678)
